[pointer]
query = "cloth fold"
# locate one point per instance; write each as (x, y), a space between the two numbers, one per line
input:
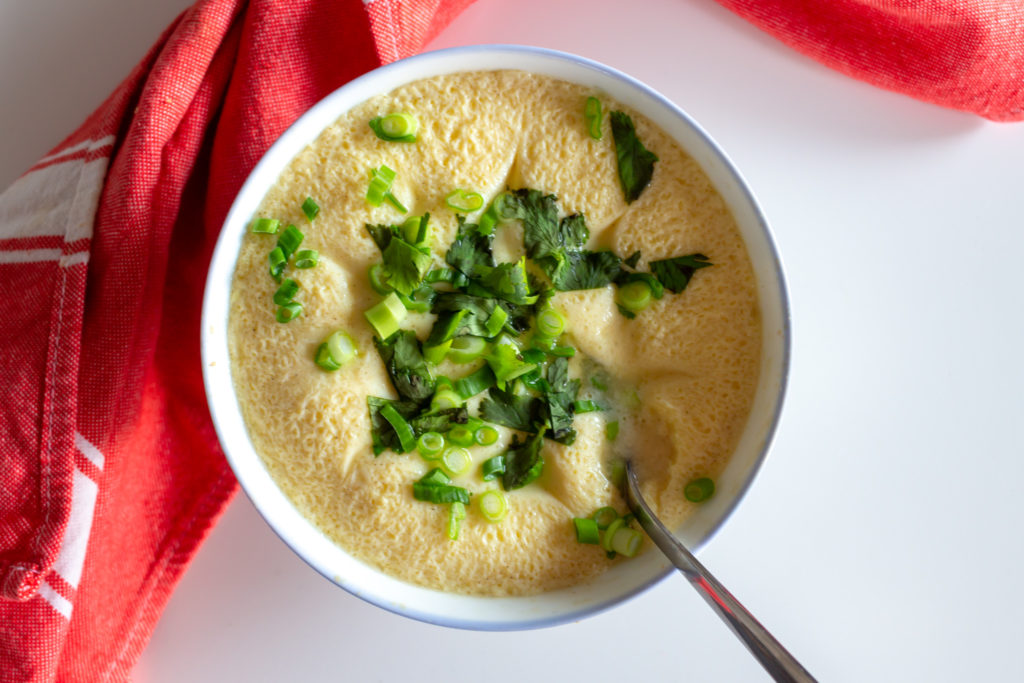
(112, 471)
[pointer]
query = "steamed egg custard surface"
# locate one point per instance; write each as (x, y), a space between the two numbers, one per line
(677, 380)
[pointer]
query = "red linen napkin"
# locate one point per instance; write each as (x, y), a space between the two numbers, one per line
(963, 54)
(111, 471)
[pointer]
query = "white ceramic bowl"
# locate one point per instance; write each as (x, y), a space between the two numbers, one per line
(625, 579)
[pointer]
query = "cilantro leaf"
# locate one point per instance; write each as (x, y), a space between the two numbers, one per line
(561, 398)
(633, 259)
(508, 281)
(470, 250)
(439, 421)
(381, 431)
(382, 234)
(636, 162)
(406, 265)
(523, 462)
(473, 321)
(404, 361)
(573, 232)
(510, 409)
(539, 215)
(571, 270)
(675, 273)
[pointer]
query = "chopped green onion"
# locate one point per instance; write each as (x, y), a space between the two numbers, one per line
(533, 356)
(445, 399)
(611, 430)
(307, 258)
(393, 201)
(412, 304)
(267, 226)
(310, 208)
(465, 201)
(341, 346)
(289, 312)
(286, 292)
(586, 406)
(492, 505)
(563, 351)
(435, 477)
(492, 216)
(586, 530)
(380, 185)
(609, 533)
(456, 461)
(456, 513)
(592, 114)
(461, 435)
(324, 360)
(377, 279)
(474, 383)
(550, 323)
(289, 240)
(599, 381)
(604, 517)
(493, 467)
(435, 487)
(386, 316)
(277, 262)
(430, 445)
(376, 191)
(435, 354)
(485, 436)
(626, 541)
(635, 296)
(542, 343)
(496, 322)
(402, 428)
(415, 229)
(395, 127)
(699, 490)
(466, 349)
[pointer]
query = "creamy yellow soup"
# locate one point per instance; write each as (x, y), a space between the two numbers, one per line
(683, 371)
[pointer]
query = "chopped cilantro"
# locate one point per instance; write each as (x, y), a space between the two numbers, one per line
(510, 409)
(508, 281)
(406, 366)
(636, 162)
(439, 420)
(406, 265)
(675, 273)
(571, 270)
(523, 462)
(561, 399)
(633, 259)
(471, 250)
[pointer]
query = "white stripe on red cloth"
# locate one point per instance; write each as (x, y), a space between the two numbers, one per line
(59, 199)
(56, 600)
(67, 568)
(84, 145)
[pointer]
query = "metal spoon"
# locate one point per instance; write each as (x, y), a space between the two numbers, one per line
(776, 660)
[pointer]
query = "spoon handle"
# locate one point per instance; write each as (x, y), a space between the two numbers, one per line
(777, 661)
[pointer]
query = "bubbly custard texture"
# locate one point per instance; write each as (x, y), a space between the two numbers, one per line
(684, 370)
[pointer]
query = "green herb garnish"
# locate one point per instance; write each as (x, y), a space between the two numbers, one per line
(635, 162)
(409, 372)
(523, 462)
(675, 273)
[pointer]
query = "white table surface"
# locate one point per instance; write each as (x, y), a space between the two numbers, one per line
(881, 541)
